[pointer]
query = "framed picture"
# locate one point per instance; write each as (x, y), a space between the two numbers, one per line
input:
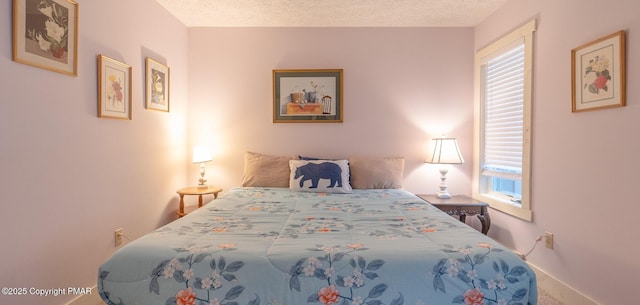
(45, 34)
(305, 96)
(157, 85)
(598, 71)
(114, 89)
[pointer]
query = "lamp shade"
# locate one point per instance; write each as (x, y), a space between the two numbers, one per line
(201, 154)
(446, 151)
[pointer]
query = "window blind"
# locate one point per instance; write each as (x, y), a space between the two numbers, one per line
(503, 78)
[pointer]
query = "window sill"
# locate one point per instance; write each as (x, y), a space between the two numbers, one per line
(505, 206)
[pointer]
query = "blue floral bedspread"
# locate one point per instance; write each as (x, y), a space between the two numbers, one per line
(277, 247)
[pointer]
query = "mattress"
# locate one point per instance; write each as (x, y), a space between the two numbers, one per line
(276, 246)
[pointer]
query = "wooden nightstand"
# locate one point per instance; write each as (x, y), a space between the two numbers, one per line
(462, 206)
(195, 190)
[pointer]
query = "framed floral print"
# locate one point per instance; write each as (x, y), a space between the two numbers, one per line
(114, 89)
(598, 73)
(307, 96)
(45, 34)
(157, 85)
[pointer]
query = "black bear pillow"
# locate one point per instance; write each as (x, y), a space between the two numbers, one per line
(321, 176)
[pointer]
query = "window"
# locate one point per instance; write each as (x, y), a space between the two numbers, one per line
(503, 123)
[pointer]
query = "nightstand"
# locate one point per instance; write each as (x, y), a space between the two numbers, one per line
(195, 190)
(462, 206)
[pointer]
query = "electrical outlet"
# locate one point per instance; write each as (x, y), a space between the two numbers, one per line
(118, 236)
(548, 239)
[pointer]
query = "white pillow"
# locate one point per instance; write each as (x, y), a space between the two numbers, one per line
(320, 176)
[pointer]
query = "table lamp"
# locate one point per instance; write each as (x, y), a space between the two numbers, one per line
(446, 151)
(201, 154)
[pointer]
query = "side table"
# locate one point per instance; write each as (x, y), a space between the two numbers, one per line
(195, 190)
(461, 206)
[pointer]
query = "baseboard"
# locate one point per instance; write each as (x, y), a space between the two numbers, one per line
(87, 299)
(559, 290)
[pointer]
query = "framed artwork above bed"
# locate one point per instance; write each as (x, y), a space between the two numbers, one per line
(307, 96)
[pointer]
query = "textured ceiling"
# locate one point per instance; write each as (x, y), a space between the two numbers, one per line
(331, 13)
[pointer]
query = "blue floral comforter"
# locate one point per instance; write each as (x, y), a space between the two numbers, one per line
(277, 247)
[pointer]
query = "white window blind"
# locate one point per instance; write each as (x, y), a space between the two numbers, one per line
(502, 122)
(503, 78)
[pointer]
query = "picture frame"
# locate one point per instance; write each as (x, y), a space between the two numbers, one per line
(114, 89)
(45, 34)
(308, 96)
(157, 85)
(598, 73)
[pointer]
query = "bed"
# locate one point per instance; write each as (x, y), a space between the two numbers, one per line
(280, 245)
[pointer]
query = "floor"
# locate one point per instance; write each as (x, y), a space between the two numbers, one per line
(545, 299)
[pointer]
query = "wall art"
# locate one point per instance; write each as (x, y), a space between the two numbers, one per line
(114, 89)
(157, 85)
(307, 96)
(598, 71)
(45, 34)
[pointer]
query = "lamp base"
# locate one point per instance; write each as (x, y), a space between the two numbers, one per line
(443, 193)
(202, 180)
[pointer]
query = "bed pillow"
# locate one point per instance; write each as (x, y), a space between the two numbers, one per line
(376, 173)
(314, 158)
(266, 171)
(321, 176)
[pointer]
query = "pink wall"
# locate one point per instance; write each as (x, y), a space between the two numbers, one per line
(402, 86)
(68, 178)
(585, 165)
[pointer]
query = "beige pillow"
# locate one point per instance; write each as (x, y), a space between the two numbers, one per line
(265, 170)
(376, 173)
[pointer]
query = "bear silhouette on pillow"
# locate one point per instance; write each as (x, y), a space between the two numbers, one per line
(315, 172)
